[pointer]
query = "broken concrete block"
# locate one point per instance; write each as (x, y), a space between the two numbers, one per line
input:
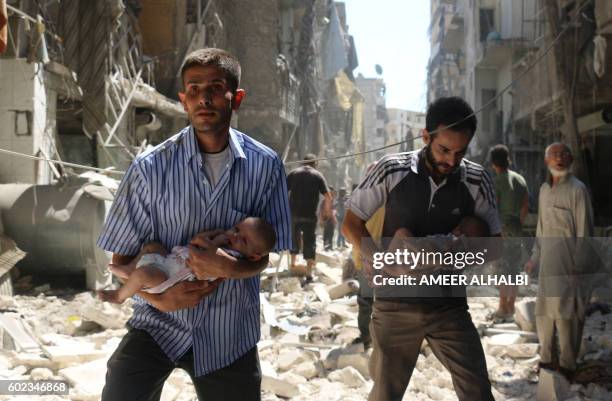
(517, 351)
(290, 358)
(343, 289)
(524, 315)
(41, 374)
(292, 378)
(322, 321)
(279, 387)
(169, 392)
(495, 350)
(277, 297)
(307, 369)
(357, 361)
(13, 325)
(347, 335)
(552, 386)
(66, 351)
(349, 376)
(330, 361)
(87, 379)
(7, 302)
(327, 275)
(272, 383)
(491, 362)
(289, 285)
(329, 258)
(504, 339)
(31, 360)
(104, 314)
(342, 310)
(321, 292)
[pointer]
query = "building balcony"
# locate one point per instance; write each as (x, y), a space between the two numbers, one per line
(494, 53)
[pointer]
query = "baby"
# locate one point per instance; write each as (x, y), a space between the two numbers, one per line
(456, 240)
(154, 269)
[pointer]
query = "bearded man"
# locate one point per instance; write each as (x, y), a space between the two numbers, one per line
(427, 192)
(565, 221)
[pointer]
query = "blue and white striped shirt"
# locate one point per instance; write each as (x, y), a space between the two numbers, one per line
(166, 197)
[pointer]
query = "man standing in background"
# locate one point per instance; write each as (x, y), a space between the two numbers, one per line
(304, 184)
(512, 203)
(565, 223)
(340, 210)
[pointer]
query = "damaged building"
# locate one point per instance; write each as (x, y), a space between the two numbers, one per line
(95, 84)
(500, 56)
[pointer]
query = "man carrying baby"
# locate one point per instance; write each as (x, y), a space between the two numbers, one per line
(155, 270)
(427, 192)
(206, 177)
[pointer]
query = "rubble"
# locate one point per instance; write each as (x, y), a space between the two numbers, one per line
(348, 376)
(524, 314)
(517, 351)
(345, 288)
(305, 349)
(357, 361)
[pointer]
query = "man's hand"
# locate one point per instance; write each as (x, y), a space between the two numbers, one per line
(206, 260)
(207, 235)
(530, 266)
(186, 294)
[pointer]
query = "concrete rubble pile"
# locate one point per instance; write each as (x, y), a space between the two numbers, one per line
(306, 348)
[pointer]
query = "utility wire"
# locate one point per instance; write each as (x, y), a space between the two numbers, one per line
(505, 89)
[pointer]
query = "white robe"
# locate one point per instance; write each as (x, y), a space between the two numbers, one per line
(564, 250)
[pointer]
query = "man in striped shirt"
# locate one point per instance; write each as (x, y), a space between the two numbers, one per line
(208, 176)
(427, 192)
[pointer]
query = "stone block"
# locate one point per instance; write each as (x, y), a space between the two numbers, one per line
(524, 315)
(349, 376)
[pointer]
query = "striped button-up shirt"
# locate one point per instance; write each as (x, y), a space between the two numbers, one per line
(166, 197)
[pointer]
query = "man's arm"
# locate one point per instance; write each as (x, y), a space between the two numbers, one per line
(180, 296)
(327, 205)
(524, 208)
(585, 227)
(207, 260)
(355, 231)
(118, 259)
(186, 294)
(534, 260)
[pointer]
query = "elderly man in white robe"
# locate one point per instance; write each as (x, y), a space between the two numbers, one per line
(562, 250)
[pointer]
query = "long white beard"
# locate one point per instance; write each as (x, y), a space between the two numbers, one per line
(558, 173)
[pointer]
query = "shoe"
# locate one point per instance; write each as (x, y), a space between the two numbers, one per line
(544, 365)
(568, 373)
(366, 341)
(498, 317)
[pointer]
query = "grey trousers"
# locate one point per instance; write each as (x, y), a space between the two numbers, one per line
(569, 332)
(398, 329)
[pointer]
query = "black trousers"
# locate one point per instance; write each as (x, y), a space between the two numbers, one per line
(138, 369)
(328, 234)
(304, 229)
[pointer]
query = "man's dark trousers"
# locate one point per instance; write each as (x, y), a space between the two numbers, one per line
(138, 369)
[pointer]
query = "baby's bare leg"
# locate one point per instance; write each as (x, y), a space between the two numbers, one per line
(124, 271)
(145, 276)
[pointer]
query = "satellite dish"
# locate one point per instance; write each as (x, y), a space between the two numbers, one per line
(378, 69)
